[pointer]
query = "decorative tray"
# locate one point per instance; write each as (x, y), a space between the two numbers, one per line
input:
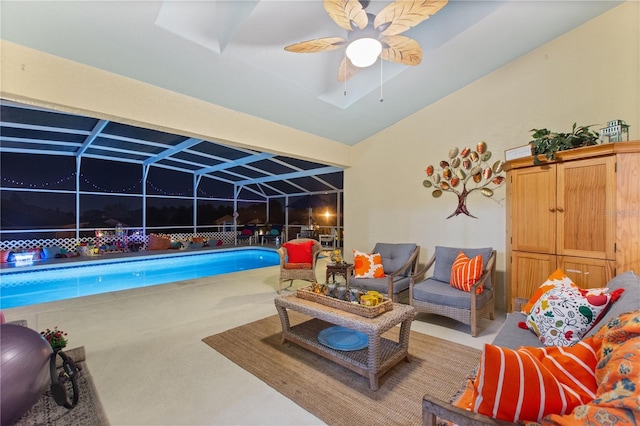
(354, 308)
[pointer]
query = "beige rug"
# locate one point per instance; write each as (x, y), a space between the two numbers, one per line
(338, 396)
(89, 410)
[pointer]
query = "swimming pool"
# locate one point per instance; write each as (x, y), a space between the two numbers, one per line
(77, 280)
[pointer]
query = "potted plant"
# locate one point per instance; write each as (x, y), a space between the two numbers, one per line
(56, 338)
(547, 143)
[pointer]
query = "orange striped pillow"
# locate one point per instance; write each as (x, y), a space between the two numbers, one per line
(528, 383)
(466, 272)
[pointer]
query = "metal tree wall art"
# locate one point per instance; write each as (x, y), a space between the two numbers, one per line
(464, 172)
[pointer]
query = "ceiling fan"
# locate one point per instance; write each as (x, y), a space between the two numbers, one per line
(372, 36)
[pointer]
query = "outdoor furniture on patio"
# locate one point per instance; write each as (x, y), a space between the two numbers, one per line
(399, 261)
(273, 234)
(298, 259)
(379, 355)
(327, 240)
(247, 234)
(436, 295)
(340, 269)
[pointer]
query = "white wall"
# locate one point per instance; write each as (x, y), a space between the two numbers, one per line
(590, 75)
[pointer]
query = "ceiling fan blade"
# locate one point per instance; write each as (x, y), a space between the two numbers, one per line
(317, 45)
(402, 50)
(343, 12)
(405, 14)
(347, 70)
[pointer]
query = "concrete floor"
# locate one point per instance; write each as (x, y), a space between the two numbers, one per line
(150, 367)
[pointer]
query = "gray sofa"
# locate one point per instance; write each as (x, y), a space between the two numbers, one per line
(512, 336)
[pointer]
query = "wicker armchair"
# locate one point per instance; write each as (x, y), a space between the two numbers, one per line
(298, 271)
(399, 262)
(435, 295)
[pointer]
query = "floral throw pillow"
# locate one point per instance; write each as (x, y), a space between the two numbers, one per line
(563, 315)
(557, 279)
(367, 265)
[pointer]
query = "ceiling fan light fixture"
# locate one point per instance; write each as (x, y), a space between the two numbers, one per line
(364, 52)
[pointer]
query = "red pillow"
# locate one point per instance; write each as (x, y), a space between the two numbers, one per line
(299, 253)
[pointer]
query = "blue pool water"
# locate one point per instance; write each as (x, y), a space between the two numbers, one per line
(77, 280)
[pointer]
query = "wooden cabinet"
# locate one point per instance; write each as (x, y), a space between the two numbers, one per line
(579, 213)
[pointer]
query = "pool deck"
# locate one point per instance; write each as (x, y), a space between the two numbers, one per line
(145, 352)
(116, 256)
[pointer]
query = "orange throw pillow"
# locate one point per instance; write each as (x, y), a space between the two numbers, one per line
(367, 265)
(466, 272)
(528, 383)
(299, 253)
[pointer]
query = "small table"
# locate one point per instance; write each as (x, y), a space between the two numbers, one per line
(381, 354)
(334, 269)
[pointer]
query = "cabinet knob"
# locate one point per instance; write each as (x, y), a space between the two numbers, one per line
(560, 209)
(552, 210)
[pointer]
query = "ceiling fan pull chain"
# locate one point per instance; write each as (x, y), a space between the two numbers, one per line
(345, 81)
(381, 100)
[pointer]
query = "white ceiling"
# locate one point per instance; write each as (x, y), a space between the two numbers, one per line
(231, 53)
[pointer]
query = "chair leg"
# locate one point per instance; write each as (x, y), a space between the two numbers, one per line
(280, 285)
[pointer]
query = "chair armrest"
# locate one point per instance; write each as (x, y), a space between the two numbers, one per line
(419, 274)
(282, 252)
(412, 262)
(317, 249)
(488, 272)
(432, 408)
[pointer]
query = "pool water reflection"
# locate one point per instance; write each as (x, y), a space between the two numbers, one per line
(76, 280)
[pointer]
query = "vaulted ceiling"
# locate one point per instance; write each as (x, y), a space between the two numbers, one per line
(230, 53)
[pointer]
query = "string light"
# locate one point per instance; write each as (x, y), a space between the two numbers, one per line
(97, 188)
(39, 185)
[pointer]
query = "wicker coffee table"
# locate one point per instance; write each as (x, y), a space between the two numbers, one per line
(381, 354)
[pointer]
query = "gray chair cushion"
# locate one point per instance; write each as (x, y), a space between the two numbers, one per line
(441, 293)
(381, 285)
(445, 256)
(394, 256)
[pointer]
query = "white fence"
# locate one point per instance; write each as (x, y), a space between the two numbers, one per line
(70, 244)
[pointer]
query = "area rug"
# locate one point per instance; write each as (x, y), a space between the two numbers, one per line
(89, 410)
(338, 396)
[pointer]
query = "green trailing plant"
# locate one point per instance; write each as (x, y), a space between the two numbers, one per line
(547, 143)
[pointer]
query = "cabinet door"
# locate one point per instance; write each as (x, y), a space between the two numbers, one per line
(533, 201)
(627, 213)
(587, 273)
(586, 200)
(528, 272)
